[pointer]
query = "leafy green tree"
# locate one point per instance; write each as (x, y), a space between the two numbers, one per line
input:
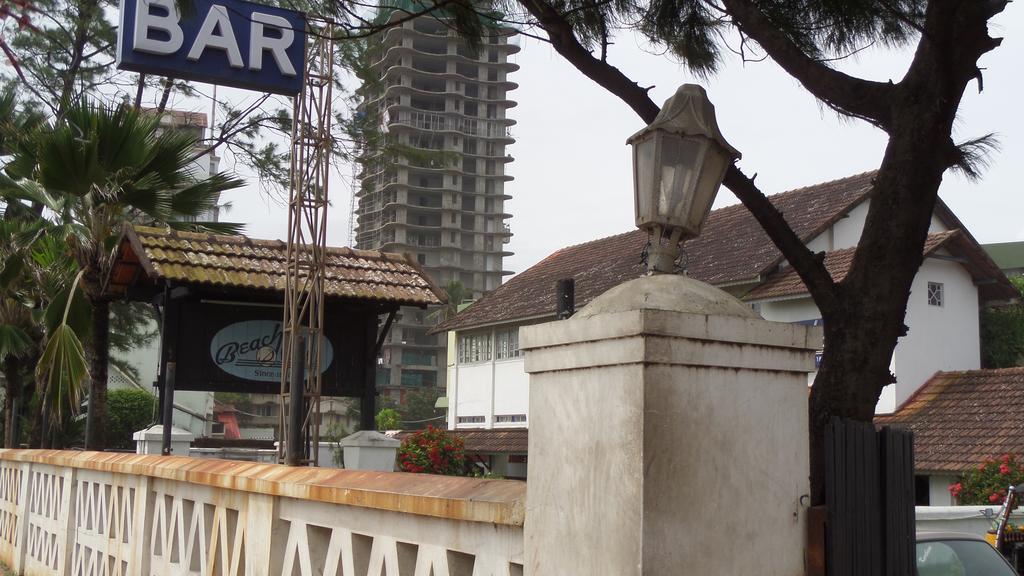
(128, 411)
(387, 419)
(95, 170)
(417, 412)
(20, 330)
(1002, 332)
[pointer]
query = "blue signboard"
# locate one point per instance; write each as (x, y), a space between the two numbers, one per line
(251, 350)
(226, 42)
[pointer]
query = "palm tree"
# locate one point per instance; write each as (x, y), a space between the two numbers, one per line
(32, 268)
(34, 285)
(19, 330)
(95, 170)
(457, 294)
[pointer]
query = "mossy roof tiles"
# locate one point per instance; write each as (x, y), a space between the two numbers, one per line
(239, 262)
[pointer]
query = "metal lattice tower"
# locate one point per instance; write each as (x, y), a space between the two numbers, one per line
(307, 244)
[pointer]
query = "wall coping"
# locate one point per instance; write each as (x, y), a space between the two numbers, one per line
(670, 324)
(447, 497)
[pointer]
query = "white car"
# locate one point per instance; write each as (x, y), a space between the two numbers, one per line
(954, 554)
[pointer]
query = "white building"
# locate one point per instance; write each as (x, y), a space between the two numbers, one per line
(444, 200)
(488, 388)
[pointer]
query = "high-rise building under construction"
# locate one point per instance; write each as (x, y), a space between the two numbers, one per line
(436, 189)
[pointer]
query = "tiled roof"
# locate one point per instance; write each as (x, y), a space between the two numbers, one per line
(838, 262)
(596, 266)
(498, 440)
(959, 419)
(242, 263)
(732, 248)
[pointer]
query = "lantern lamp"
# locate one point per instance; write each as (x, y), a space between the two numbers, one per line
(679, 161)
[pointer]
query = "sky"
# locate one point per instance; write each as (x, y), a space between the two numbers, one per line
(573, 170)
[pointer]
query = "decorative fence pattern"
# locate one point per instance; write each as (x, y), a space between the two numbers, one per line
(96, 514)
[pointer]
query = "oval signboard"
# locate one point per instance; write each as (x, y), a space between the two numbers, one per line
(252, 350)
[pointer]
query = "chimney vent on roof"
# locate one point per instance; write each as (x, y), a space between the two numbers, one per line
(565, 298)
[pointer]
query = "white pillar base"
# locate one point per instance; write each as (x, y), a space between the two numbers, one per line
(668, 435)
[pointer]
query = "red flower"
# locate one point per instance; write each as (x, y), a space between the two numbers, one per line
(1004, 469)
(993, 498)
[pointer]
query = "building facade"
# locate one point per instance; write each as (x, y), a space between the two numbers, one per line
(488, 387)
(434, 184)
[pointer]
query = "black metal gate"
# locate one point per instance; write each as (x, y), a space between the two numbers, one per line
(869, 484)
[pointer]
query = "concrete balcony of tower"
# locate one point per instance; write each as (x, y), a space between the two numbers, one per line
(395, 52)
(436, 69)
(496, 129)
(504, 39)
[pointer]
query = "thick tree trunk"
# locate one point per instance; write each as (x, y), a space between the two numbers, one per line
(12, 390)
(99, 359)
(863, 328)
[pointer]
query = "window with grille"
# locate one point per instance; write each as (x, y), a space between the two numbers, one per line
(509, 418)
(474, 348)
(935, 294)
(506, 344)
(471, 419)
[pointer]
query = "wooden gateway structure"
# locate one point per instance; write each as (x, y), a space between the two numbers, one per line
(219, 302)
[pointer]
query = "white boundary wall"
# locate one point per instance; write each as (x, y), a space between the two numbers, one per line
(93, 514)
(967, 519)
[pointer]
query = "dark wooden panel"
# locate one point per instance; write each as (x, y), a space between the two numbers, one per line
(897, 449)
(869, 479)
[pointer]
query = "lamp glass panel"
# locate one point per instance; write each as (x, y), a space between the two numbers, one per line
(715, 164)
(643, 177)
(680, 171)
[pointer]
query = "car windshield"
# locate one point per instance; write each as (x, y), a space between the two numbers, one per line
(960, 558)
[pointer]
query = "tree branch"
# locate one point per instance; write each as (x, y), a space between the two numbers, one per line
(809, 266)
(565, 42)
(846, 94)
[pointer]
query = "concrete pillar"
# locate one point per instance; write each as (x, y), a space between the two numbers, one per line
(668, 435)
(369, 450)
(150, 440)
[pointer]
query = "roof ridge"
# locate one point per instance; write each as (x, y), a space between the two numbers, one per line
(795, 191)
(580, 244)
(985, 371)
(826, 183)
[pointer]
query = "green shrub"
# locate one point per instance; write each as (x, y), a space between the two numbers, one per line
(128, 411)
(387, 419)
